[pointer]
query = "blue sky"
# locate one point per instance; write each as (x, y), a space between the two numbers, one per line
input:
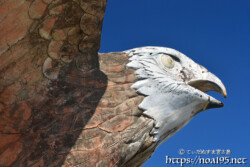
(215, 34)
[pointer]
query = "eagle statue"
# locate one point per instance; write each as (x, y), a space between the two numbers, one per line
(64, 104)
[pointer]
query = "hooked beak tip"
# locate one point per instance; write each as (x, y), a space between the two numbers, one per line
(224, 92)
(213, 103)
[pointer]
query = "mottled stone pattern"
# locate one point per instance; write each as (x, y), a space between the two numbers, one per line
(41, 115)
(117, 131)
(59, 104)
(81, 119)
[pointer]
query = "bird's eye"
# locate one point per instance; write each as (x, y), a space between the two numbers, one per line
(167, 61)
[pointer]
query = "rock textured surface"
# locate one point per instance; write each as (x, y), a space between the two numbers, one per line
(58, 107)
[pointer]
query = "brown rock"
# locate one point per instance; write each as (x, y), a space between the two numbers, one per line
(89, 24)
(36, 9)
(94, 7)
(10, 155)
(54, 49)
(57, 10)
(15, 23)
(61, 104)
(74, 35)
(47, 1)
(51, 69)
(116, 124)
(60, 35)
(45, 30)
(8, 96)
(6, 140)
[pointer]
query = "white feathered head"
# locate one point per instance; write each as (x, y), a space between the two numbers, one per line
(174, 86)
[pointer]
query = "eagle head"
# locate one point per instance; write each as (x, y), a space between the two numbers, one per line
(174, 87)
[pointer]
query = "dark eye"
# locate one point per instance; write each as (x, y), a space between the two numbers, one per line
(167, 61)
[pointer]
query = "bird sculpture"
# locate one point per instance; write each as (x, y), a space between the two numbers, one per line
(64, 104)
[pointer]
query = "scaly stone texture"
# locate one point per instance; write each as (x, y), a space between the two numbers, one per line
(59, 104)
